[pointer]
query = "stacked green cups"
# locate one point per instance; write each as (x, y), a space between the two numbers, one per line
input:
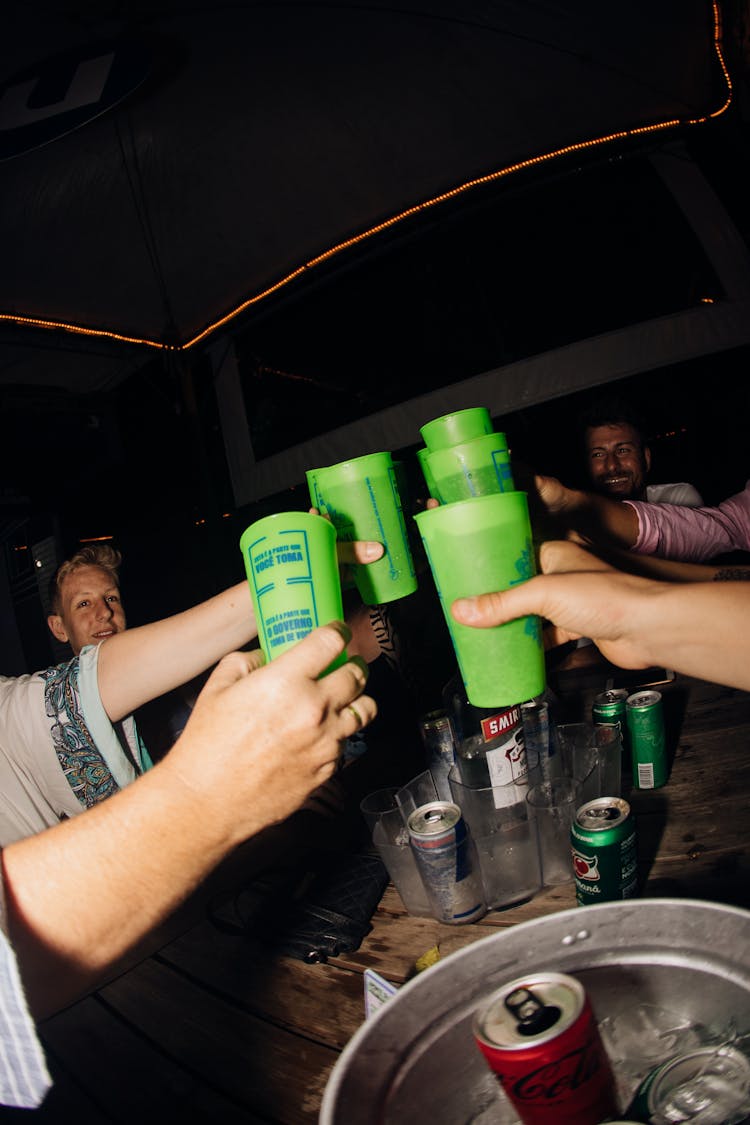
(463, 456)
(477, 541)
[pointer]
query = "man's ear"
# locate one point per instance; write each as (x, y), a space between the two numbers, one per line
(57, 628)
(647, 458)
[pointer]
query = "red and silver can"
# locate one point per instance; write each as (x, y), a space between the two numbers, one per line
(448, 863)
(540, 1037)
(436, 729)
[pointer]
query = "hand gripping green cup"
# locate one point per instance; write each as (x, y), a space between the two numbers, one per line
(471, 468)
(292, 568)
(361, 499)
(460, 425)
(476, 546)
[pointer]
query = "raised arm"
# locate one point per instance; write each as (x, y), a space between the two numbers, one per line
(701, 629)
(140, 664)
(594, 518)
(260, 739)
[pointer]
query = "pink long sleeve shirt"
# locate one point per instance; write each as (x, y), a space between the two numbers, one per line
(693, 534)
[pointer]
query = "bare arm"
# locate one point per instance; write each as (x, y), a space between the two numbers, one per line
(142, 663)
(594, 518)
(670, 570)
(247, 759)
(699, 628)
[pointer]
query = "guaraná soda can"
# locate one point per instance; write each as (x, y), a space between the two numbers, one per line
(448, 864)
(648, 744)
(540, 1037)
(709, 1084)
(602, 840)
(609, 708)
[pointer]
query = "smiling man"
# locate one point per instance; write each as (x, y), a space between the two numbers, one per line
(85, 597)
(618, 458)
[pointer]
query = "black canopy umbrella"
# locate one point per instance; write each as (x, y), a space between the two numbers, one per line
(167, 167)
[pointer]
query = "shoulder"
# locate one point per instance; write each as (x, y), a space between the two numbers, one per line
(679, 493)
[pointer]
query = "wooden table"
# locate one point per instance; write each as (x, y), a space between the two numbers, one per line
(214, 1026)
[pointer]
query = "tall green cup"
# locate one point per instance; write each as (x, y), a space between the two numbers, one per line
(362, 500)
(422, 455)
(460, 425)
(292, 568)
(476, 546)
(471, 468)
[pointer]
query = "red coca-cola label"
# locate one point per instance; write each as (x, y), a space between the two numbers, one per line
(566, 1080)
(500, 723)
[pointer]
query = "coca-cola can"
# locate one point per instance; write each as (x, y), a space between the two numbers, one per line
(540, 1037)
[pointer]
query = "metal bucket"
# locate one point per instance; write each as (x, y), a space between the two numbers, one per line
(416, 1060)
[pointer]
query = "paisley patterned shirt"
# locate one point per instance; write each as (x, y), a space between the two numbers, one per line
(88, 774)
(59, 752)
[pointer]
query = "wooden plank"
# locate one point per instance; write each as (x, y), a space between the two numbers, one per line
(284, 991)
(111, 1071)
(269, 1070)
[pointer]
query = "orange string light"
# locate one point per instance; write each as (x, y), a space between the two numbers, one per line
(409, 212)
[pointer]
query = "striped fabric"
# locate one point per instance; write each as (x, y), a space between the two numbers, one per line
(24, 1078)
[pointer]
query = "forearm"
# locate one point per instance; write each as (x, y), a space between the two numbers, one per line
(649, 566)
(700, 630)
(142, 663)
(149, 846)
(599, 519)
(595, 518)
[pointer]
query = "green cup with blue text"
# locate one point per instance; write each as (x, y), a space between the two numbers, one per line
(422, 455)
(292, 568)
(470, 468)
(477, 546)
(459, 425)
(362, 500)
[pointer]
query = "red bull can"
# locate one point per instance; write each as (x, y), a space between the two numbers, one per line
(448, 862)
(539, 1036)
(438, 739)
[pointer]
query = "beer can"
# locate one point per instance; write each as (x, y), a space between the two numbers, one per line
(436, 731)
(447, 861)
(540, 1037)
(709, 1084)
(609, 708)
(648, 744)
(602, 840)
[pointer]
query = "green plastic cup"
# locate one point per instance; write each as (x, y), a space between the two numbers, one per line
(460, 425)
(474, 547)
(362, 500)
(292, 568)
(310, 476)
(471, 468)
(422, 455)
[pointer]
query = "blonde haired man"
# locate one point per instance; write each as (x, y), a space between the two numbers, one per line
(67, 736)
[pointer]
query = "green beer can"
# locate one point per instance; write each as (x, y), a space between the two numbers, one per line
(648, 744)
(602, 840)
(609, 709)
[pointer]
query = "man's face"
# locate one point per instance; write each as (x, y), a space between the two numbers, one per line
(618, 464)
(91, 608)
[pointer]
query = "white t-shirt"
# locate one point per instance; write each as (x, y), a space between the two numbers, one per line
(59, 752)
(680, 493)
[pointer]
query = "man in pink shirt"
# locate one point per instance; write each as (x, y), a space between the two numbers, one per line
(669, 531)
